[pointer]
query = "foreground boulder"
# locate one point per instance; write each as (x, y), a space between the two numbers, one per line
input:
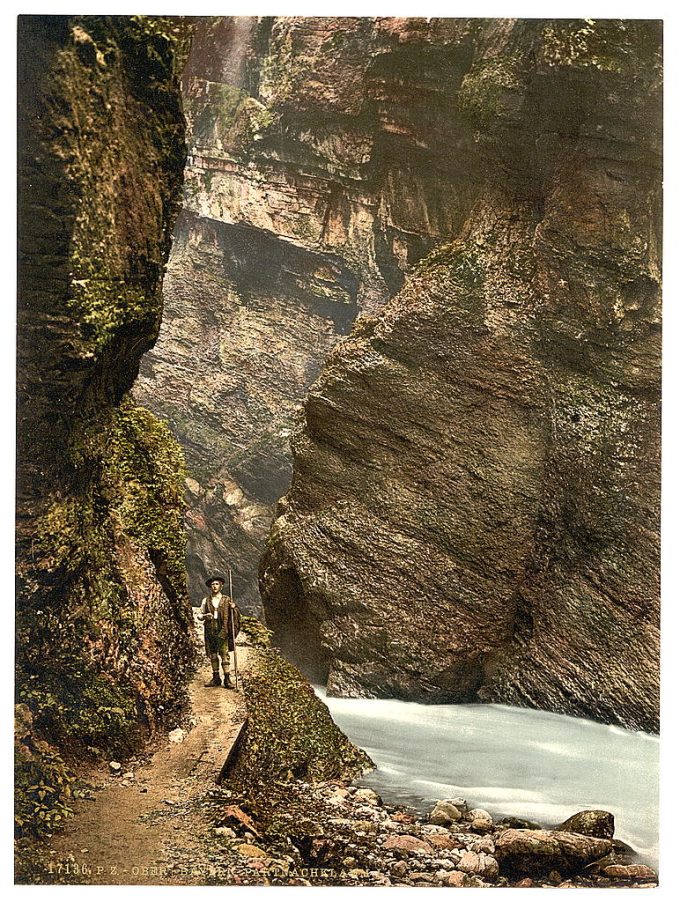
(537, 852)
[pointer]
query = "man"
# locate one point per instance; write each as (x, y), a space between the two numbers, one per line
(221, 625)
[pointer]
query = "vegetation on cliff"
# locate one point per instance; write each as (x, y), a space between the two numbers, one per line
(103, 621)
(290, 736)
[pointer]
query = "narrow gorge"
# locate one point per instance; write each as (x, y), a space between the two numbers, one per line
(427, 252)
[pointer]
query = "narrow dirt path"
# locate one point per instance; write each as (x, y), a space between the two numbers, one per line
(145, 826)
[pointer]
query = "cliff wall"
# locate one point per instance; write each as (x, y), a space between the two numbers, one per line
(325, 159)
(103, 620)
(474, 510)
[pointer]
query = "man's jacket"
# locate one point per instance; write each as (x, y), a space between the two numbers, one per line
(217, 631)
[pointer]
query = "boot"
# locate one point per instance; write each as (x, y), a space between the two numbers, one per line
(216, 681)
(227, 681)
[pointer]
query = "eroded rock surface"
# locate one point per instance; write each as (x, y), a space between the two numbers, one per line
(475, 502)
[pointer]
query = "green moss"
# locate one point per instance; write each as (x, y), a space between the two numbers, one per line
(587, 44)
(482, 91)
(459, 264)
(229, 119)
(92, 653)
(290, 736)
(256, 631)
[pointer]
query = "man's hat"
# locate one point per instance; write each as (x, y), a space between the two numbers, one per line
(213, 579)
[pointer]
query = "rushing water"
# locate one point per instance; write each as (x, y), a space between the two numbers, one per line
(511, 761)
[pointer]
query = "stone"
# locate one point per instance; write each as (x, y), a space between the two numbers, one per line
(536, 852)
(478, 863)
(227, 832)
(483, 844)
(590, 823)
(178, 735)
(517, 823)
(115, 767)
(480, 820)
(444, 813)
(422, 877)
(439, 841)
(238, 818)
(406, 843)
(399, 868)
(357, 874)
(630, 872)
(368, 797)
(247, 850)
(402, 817)
(456, 878)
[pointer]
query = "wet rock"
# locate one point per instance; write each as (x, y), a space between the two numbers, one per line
(444, 814)
(517, 823)
(590, 823)
(536, 852)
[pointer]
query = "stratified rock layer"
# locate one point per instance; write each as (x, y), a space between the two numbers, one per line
(103, 620)
(325, 159)
(475, 502)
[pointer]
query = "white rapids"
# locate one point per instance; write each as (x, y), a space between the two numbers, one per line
(510, 761)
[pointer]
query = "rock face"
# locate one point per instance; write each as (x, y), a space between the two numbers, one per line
(103, 620)
(474, 510)
(324, 161)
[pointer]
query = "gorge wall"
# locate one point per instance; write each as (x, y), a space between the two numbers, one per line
(325, 159)
(474, 512)
(459, 220)
(103, 619)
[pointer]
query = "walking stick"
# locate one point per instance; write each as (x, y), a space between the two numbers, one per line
(231, 630)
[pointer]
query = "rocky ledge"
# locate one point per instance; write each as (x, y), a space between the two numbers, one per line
(333, 833)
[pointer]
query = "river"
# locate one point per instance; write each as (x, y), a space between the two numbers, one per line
(512, 761)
